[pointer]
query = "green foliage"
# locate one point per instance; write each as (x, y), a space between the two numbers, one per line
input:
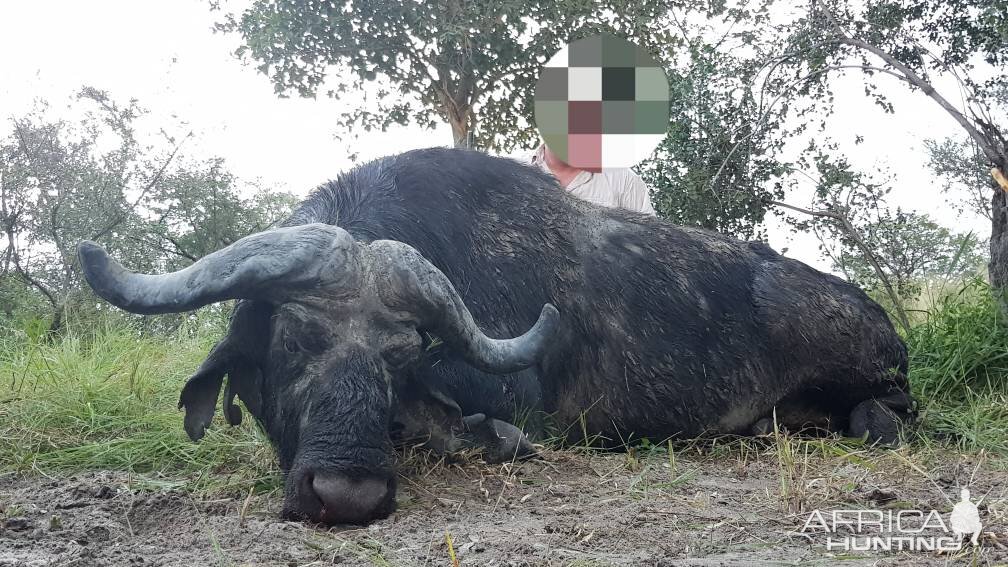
(201, 208)
(475, 64)
(910, 247)
(472, 64)
(867, 241)
(105, 397)
(959, 29)
(921, 43)
(720, 164)
(928, 38)
(63, 180)
(959, 369)
(965, 173)
(18, 302)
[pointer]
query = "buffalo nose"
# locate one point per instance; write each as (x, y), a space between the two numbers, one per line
(350, 501)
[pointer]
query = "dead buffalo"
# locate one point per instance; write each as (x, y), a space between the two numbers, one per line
(368, 317)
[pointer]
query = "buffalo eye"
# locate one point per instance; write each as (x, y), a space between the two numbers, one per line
(311, 338)
(401, 349)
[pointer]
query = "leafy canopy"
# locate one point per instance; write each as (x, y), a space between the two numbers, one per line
(722, 162)
(473, 64)
(86, 174)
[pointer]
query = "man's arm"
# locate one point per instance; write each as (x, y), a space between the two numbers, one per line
(636, 195)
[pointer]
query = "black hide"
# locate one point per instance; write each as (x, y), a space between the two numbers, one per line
(664, 330)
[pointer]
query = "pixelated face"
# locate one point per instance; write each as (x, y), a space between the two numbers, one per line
(602, 103)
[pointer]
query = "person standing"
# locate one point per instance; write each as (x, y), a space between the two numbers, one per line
(616, 188)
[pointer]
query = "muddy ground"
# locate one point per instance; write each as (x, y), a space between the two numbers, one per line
(733, 505)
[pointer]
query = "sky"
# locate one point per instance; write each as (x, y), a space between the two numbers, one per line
(166, 55)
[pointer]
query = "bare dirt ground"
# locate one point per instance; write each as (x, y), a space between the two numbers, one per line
(713, 505)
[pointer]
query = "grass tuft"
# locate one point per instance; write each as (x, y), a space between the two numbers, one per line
(107, 399)
(959, 370)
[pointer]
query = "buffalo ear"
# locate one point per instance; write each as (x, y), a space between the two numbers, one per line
(235, 355)
(244, 380)
(199, 395)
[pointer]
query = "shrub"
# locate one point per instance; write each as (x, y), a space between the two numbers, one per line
(959, 369)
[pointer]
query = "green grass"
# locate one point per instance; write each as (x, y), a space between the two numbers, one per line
(959, 370)
(105, 398)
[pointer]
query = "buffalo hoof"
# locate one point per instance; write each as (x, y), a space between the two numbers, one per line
(762, 427)
(498, 440)
(881, 420)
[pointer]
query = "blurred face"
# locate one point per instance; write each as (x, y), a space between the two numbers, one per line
(553, 161)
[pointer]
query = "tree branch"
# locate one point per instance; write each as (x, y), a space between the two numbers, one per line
(150, 185)
(995, 155)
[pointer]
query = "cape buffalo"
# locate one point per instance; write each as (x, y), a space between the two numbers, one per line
(367, 318)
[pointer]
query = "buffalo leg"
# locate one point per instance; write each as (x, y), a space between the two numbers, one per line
(499, 441)
(431, 418)
(495, 440)
(881, 420)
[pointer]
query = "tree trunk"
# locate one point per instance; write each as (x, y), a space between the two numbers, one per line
(997, 269)
(58, 320)
(461, 133)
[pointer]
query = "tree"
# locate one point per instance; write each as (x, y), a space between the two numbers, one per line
(842, 195)
(473, 64)
(911, 249)
(431, 59)
(721, 162)
(58, 186)
(889, 250)
(200, 208)
(965, 172)
(63, 180)
(921, 43)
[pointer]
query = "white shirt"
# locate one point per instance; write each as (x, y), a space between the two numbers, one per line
(615, 188)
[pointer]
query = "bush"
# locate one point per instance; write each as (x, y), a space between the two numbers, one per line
(959, 369)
